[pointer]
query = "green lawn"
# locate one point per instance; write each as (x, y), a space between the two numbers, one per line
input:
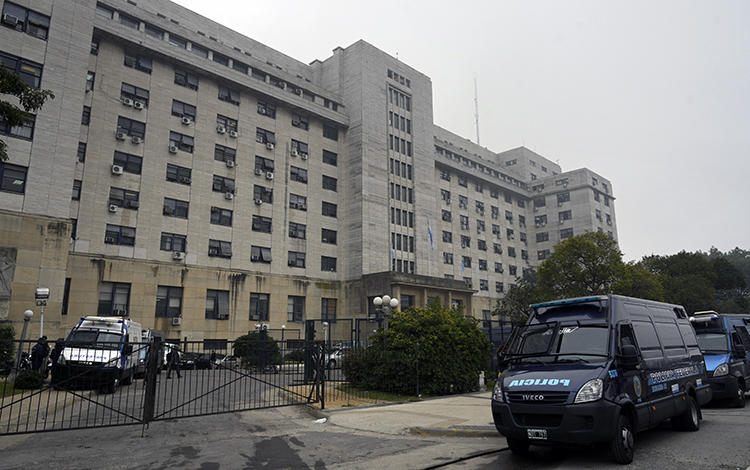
(7, 389)
(373, 394)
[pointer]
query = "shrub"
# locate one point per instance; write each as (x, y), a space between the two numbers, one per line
(295, 355)
(28, 380)
(452, 351)
(256, 352)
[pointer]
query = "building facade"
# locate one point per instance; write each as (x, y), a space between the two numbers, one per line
(201, 183)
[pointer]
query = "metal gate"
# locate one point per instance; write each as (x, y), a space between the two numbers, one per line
(210, 377)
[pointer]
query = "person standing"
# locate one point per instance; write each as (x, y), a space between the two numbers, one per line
(39, 354)
(54, 355)
(173, 361)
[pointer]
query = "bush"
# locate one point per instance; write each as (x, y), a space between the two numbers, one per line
(295, 355)
(256, 352)
(28, 380)
(6, 344)
(452, 352)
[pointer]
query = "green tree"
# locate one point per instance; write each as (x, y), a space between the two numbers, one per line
(7, 333)
(726, 275)
(516, 304)
(29, 98)
(637, 281)
(256, 352)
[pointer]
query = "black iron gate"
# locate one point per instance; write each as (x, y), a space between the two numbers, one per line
(207, 378)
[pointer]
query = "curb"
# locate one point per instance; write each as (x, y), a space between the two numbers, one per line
(474, 431)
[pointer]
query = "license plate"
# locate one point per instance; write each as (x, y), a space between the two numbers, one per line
(537, 434)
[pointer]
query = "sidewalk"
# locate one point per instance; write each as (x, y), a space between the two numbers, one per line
(466, 415)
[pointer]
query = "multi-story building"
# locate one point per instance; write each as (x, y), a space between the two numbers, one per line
(201, 182)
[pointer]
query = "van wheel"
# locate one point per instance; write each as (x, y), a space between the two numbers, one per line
(111, 387)
(623, 443)
(689, 420)
(739, 399)
(518, 446)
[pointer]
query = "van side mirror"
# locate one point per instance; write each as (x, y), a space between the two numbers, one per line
(739, 351)
(628, 356)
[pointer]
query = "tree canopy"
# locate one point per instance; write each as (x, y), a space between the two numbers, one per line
(29, 98)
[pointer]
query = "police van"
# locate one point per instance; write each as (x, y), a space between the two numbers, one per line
(598, 370)
(99, 353)
(724, 341)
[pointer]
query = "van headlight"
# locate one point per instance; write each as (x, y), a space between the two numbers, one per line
(722, 369)
(591, 391)
(497, 392)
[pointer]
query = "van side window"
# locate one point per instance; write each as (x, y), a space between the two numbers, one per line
(670, 338)
(626, 336)
(744, 336)
(645, 334)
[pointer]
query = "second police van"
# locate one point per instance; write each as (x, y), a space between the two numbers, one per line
(598, 370)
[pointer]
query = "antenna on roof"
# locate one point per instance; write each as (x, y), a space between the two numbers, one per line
(476, 109)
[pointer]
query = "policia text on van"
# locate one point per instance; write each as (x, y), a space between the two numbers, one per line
(599, 369)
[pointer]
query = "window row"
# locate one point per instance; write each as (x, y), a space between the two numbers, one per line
(402, 242)
(399, 145)
(25, 20)
(401, 169)
(399, 122)
(402, 217)
(399, 99)
(402, 193)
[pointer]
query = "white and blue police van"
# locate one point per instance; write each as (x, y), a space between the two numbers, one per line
(724, 341)
(99, 353)
(596, 370)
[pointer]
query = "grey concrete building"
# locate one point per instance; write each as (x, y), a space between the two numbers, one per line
(201, 182)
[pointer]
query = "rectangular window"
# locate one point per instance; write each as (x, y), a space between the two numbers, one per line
(263, 165)
(262, 194)
(259, 306)
(466, 261)
(168, 302)
(462, 182)
(328, 310)
(329, 183)
(512, 270)
(221, 59)
(299, 148)
(86, 116)
(173, 242)
(119, 235)
(114, 299)
(90, 78)
(76, 190)
(263, 136)
(499, 268)
(298, 174)
(179, 174)
(224, 154)
(153, 31)
(217, 304)
(219, 249)
(183, 142)
(563, 198)
(296, 259)
(104, 11)
(447, 258)
(261, 224)
(135, 94)
(123, 198)
(129, 21)
(483, 284)
(82, 152)
(240, 67)
(565, 215)
(295, 308)
(328, 236)
(138, 62)
(229, 95)
(464, 221)
(329, 209)
(178, 41)
(300, 121)
(465, 241)
(499, 287)
(181, 109)
(463, 202)
(29, 72)
(482, 245)
(542, 237)
(260, 254)
(446, 216)
(330, 158)
(267, 109)
(297, 230)
(12, 178)
(25, 20)
(226, 124)
(566, 233)
(297, 202)
(186, 79)
(221, 216)
(542, 254)
(447, 237)
(131, 127)
(223, 185)
(327, 264)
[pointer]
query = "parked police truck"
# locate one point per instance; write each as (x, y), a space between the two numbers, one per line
(598, 370)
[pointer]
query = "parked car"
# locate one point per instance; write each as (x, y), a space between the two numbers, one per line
(227, 362)
(188, 361)
(598, 370)
(335, 357)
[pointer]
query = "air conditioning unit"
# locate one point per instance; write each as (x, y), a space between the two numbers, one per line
(294, 153)
(10, 20)
(120, 312)
(230, 163)
(138, 105)
(133, 204)
(303, 156)
(221, 129)
(269, 175)
(222, 316)
(186, 120)
(233, 134)
(167, 211)
(229, 196)
(291, 262)
(213, 251)
(176, 321)
(136, 140)
(185, 179)
(172, 149)
(561, 222)
(109, 240)
(178, 256)
(120, 135)
(258, 202)
(258, 172)
(113, 207)
(117, 170)
(127, 102)
(269, 145)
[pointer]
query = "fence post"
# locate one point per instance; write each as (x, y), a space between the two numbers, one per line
(152, 365)
(322, 378)
(416, 354)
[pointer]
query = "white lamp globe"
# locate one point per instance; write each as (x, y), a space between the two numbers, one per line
(28, 314)
(386, 299)
(394, 303)
(377, 301)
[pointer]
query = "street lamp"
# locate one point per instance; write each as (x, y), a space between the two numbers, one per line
(385, 303)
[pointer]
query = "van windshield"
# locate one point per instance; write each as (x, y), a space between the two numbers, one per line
(554, 342)
(93, 338)
(712, 343)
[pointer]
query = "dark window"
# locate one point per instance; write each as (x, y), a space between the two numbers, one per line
(181, 109)
(446, 216)
(119, 235)
(298, 174)
(296, 259)
(123, 198)
(173, 242)
(239, 66)
(178, 41)
(297, 230)
(264, 137)
(447, 258)
(328, 310)
(511, 252)
(168, 302)
(178, 174)
(90, 78)
(24, 131)
(129, 21)
(183, 142)
(23, 19)
(199, 50)
(66, 297)
(259, 306)
(221, 216)
(262, 194)
(154, 31)
(131, 127)
(217, 304)
(175, 208)
(227, 123)
(328, 236)
(297, 202)
(566, 233)
(81, 152)
(260, 254)
(224, 154)
(86, 116)
(186, 79)
(295, 308)
(267, 109)
(447, 237)
(329, 183)
(104, 11)
(129, 163)
(29, 72)
(301, 122)
(263, 165)
(76, 190)
(219, 248)
(95, 46)
(329, 209)
(114, 299)
(562, 198)
(330, 158)
(12, 178)
(330, 132)
(229, 95)
(327, 264)
(542, 237)
(221, 59)
(261, 224)
(138, 62)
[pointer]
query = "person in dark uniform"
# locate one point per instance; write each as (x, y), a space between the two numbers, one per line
(39, 354)
(173, 361)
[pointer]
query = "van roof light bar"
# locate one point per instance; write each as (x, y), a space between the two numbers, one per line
(578, 300)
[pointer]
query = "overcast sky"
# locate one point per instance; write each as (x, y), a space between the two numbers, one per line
(653, 95)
